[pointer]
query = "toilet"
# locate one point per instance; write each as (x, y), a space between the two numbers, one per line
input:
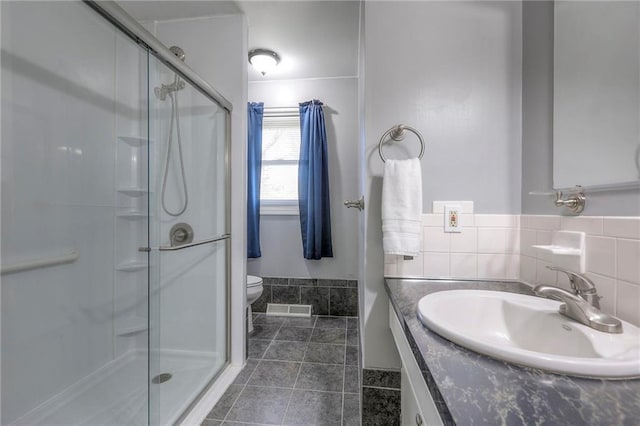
(254, 291)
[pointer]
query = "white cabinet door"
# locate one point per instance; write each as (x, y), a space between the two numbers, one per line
(415, 394)
(411, 414)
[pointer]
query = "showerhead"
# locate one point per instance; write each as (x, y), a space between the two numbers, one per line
(178, 52)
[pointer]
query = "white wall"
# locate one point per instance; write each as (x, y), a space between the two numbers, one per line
(280, 237)
(216, 49)
(452, 70)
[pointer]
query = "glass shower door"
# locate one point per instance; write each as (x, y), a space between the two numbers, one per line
(74, 166)
(188, 290)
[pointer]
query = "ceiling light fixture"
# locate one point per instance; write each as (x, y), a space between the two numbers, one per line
(263, 60)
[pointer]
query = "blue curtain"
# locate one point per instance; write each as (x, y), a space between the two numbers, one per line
(254, 168)
(313, 183)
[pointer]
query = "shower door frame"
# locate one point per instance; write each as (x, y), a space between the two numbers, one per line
(129, 26)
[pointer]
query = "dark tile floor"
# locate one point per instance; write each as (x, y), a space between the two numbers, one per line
(300, 371)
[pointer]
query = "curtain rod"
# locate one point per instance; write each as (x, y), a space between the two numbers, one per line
(289, 107)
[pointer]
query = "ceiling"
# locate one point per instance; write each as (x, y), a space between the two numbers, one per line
(315, 39)
(161, 10)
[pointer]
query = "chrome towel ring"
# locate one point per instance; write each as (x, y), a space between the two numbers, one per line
(397, 133)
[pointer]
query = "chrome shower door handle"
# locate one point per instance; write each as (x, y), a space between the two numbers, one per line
(357, 204)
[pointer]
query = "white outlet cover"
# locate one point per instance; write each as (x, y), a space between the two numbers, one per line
(451, 224)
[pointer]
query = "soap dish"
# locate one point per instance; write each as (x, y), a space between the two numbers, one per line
(567, 250)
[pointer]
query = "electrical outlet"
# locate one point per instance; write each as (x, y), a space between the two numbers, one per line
(452, 218)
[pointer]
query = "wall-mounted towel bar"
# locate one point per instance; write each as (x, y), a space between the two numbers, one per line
(11, 268)
(397, 133)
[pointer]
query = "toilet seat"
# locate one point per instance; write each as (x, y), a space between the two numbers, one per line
(253, 281)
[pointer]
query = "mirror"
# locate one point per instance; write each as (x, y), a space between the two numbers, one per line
(596, 130)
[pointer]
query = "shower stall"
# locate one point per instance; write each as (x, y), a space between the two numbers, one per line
(115, 221)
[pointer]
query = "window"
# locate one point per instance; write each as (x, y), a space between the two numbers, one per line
(280, 154)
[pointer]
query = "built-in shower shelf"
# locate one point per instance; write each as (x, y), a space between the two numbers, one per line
(133, 140)
(134, 192)
(133, 215)
(132, 266)
(135, 326)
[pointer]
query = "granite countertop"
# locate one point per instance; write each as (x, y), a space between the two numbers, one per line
(473, 389)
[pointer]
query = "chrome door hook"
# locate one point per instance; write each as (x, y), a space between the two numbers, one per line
(357, 204)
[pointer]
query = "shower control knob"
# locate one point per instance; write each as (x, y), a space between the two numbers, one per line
(181, 233)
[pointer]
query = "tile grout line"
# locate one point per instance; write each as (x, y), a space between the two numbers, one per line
(248, 379)
(297, 376)
(344, 369)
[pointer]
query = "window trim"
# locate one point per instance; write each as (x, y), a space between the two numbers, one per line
(279, 208)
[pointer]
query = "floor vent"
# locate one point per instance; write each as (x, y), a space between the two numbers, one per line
(284, 310)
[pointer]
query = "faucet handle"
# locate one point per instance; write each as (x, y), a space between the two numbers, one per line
(579, 282)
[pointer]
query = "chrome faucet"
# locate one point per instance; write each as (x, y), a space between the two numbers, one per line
(583, 304)
(581, 286)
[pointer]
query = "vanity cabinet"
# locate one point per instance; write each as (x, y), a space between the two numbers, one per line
(417, 405)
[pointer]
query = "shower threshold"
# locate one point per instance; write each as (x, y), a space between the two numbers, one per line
(117, 392)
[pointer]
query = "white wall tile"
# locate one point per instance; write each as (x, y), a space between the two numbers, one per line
(606, 288)
(437, 220)
(464, 265)
(465, 241)
(547, 223)
(512, 266)
(601, 255)
(436, 265)
(390, 270)
(433, 220)
(467, 220)
(527, 241)
(628, 302)
(410, 268)
(492, 266)
(390, 259)
(543, 238)
(628, 260)
(528, 269)
(592, 225)
(496, 221)
(544, 275)
(623, 227)
(512, 240)
(435, 240)
(492, 240)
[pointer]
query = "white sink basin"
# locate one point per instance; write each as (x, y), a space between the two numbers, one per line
(529, 331)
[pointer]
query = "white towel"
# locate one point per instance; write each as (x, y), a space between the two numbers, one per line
(402, 207)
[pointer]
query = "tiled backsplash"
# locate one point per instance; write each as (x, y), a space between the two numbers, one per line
(612, 258)
(326, 297)
(499, 247)
(487, 247)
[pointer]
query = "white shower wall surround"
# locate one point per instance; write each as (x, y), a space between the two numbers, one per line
(499, 247)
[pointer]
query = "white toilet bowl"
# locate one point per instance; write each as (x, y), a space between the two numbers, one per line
(254, 291)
